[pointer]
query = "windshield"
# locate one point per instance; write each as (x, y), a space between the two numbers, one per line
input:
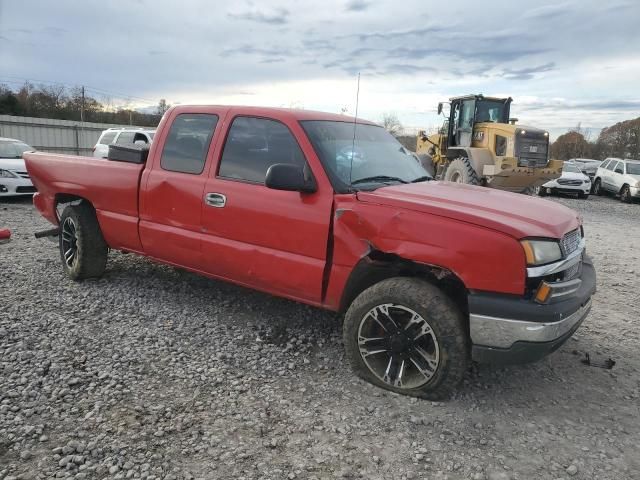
(375, 159)
(490, 111)
(633, 168)
(13, 149)
(569, 167)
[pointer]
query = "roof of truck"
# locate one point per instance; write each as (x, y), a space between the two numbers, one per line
(293, 113)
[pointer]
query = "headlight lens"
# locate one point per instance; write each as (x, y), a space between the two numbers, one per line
(7, 174)
(541, 252)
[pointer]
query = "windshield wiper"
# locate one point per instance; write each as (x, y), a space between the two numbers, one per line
(378, 178)
(424, 178)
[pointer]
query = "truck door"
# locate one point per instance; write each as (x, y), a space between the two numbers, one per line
(171, 190)
(271, 240)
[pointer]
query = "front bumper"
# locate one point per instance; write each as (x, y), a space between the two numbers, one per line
(510, 329)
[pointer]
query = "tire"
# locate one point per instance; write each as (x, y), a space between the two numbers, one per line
(597, 187)
(443, 338)
(460, 170)
(543, 192)
(83, 250)
(531, 191)
(625, 194)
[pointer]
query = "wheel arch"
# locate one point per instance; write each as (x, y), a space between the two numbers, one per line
(478, 157)
(64, 199)
(377, 266)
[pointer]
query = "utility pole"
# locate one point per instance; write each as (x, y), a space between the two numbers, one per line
(82, 106)
(130, 117)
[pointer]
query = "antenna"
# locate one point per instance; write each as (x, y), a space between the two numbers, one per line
(355, 123)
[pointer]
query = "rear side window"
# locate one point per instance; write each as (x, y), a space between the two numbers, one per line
(501, 145)
(604, 164)
(253, 145)
(125, 137)
(611, 165)
(107, 138)
(185, 149)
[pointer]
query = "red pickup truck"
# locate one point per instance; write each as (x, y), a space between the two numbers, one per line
(334, 213)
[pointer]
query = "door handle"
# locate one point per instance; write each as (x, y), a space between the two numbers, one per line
(217, 200)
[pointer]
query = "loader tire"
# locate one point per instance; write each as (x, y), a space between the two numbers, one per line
(83, 250)
(460, 170)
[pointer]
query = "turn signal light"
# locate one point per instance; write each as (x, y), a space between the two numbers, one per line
(542, 295)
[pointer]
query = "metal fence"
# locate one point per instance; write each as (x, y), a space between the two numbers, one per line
(49, 135)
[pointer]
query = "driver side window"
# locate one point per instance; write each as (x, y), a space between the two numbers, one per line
(253, 145)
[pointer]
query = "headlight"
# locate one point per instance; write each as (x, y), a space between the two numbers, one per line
(523, 132)
(638, 185)
(541, 252)
(7, 174)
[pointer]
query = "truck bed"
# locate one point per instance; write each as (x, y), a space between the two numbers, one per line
(111, 187)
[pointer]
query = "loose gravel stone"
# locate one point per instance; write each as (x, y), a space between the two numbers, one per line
(152, 372)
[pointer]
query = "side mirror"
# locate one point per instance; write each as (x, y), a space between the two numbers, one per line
(285, 176)
(439, 108)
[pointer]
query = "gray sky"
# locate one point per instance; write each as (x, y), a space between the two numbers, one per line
(564, 63)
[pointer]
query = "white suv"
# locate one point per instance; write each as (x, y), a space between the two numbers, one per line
(120, 136)
(620, 177)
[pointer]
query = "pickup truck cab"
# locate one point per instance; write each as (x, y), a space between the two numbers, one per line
(331, 212)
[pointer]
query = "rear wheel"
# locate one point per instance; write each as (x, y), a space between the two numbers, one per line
(460, 170)
(407, 336)
(625, 194)
(597, 187)
(83, 250)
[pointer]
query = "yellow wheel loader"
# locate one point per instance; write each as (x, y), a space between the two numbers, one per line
(480, 145)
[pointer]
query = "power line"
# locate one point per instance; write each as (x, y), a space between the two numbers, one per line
(88, 87)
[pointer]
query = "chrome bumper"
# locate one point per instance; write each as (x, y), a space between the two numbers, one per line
(503, 332)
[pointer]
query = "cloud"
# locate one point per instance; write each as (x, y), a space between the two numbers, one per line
(278, 16)
(527, 73)
(357, 5)
(548, 12)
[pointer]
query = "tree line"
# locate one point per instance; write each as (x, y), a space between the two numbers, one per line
(621, 140)
(64, 103)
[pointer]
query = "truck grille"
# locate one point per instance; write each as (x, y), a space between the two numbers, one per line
(566, 181)
(570, 242)
(532, 152)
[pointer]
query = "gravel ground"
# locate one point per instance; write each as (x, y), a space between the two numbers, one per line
(151, 372)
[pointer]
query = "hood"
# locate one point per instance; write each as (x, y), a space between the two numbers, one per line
(574, 176)
(511, 213)
(15, 164)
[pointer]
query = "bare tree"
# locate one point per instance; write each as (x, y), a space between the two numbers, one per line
(162, 107)
(391, 123)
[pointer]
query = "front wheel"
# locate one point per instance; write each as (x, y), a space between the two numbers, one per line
(407, 336)
(460, 170)
(597, 187)
(625, 194)
(83, 250)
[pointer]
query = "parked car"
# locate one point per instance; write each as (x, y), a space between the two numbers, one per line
(620, 177)
(14, 179)
(428, 274)
(571, 181)
(121, 136)
(588, 166)
(5, 235)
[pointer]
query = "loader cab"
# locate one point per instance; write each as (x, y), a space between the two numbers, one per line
(466, 111)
